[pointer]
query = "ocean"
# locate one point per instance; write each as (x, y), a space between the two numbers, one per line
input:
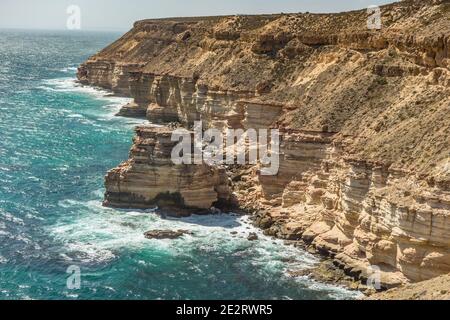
(57, 141)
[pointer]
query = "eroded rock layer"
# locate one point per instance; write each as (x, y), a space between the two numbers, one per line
(364, 114)
(150, 178)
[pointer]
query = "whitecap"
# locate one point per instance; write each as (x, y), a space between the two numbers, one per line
(75, 115)
(32, 216)
(69, 69)
(88, 253)
(9, 217)
(67, 203)
(335, 292)
(99, 234)
(98, 193)
(106, 113)
(72, 85)
(110, 109)
(110, 230)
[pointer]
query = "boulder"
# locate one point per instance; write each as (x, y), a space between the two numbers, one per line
(165, 234)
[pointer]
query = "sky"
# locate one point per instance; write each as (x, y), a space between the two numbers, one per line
(119, 15)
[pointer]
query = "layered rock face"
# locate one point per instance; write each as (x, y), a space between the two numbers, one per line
(364, 119)
(150, 178)
(362, 213)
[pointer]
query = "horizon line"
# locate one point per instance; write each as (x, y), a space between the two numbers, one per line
(111, 29)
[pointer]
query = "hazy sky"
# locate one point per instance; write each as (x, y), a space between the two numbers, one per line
(120, 14)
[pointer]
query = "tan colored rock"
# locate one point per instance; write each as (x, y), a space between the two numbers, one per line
(150, 178)
(364, 156)
(435, 289)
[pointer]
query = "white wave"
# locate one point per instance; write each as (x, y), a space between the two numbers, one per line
(335, 292)
(9, 217)
(67, 203)
(86, 252)
(69, 69)
(33, 216)
(75, 115)
(99, 234)
(112, 106)
(22, 238)
(4, 233)
(71, 85)
(34, 179)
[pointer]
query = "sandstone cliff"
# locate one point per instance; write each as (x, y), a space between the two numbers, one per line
(364, 115)
(150, 178)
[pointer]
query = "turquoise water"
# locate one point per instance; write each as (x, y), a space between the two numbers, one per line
(57, 140)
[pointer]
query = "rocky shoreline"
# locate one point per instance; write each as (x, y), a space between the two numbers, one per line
(364, 175)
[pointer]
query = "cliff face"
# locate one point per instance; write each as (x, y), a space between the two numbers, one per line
(150, 178)
(364, 115)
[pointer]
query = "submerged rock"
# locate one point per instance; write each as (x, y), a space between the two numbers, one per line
(165, 234)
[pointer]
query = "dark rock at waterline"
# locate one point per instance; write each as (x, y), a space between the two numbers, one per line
(264, 222)
(128, 225)
(288, 260)
(253, 237)
(165, 234)
(326, 272)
